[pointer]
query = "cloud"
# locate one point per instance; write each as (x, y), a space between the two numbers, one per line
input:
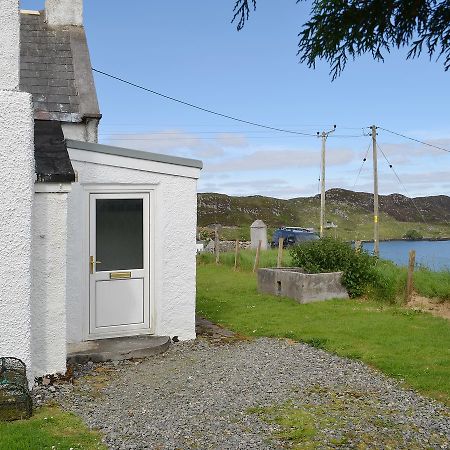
(232, 140)
(408, 152)
(270, 159)
(256, 183)
(178, 142)
(412, 183)
(236, 165)
(278, 188)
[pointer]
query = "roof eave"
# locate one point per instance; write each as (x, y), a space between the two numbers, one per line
(136, 154)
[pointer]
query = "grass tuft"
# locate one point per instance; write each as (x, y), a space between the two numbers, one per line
(49, 428)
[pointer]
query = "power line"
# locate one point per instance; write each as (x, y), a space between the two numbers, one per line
(360, 169)
(209, 111)
(297, 127)
(163, 138)
(403, 186)
(177, 132)
(416, 140)
(191, 105)
(155, 136)
(255, 124)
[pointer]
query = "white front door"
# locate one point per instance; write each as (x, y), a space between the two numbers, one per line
(119, 265)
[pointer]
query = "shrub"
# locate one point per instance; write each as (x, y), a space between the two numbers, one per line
(333, 255)
(413, 235)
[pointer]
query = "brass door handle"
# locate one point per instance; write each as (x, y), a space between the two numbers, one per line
(92, 264)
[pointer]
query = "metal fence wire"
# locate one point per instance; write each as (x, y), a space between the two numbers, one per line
(15, 398)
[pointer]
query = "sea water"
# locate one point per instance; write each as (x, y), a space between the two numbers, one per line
(432, 254)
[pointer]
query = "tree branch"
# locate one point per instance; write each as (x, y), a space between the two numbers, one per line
(338, 30)
(242, 11)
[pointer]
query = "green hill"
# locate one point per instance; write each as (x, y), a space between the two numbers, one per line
(350, 211)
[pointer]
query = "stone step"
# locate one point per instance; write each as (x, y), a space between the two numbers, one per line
(116, 349)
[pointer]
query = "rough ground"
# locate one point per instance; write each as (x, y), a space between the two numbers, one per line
(434, 307)
(224, 393)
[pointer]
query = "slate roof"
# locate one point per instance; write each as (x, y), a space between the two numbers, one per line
(52, 162)
(55, 67)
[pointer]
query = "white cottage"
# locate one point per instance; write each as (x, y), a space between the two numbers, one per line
(96, 242)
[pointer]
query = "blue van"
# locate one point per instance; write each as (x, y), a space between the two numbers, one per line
(292, 236)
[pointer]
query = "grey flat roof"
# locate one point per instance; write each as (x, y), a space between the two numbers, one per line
(137, 154)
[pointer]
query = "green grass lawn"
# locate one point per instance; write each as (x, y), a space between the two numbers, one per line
(49, 428)
(407, 345)
(435, 285)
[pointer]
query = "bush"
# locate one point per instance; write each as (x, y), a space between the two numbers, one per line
(334, 255)
(413, 235)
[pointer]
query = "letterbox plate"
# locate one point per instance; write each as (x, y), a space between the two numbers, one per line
(119, 275)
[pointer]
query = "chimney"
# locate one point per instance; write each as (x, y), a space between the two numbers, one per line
(64, 12)
(9, 45)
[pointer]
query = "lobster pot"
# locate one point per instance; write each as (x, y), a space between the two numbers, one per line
(15, 398)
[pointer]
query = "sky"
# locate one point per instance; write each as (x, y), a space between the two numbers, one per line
(190, 50)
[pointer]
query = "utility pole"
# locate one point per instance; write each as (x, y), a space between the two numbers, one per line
(322, 179)
(376, 242)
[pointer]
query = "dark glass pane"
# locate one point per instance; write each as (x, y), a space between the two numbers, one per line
(120, 234)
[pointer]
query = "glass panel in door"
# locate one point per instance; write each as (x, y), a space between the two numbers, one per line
(119, 234)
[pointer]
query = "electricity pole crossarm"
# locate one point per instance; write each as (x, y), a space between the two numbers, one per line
(322, 191)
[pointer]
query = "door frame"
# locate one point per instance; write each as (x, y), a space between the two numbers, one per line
(119, 189)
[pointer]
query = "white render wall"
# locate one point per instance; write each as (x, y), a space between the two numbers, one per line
(64, 12)
(174, 247)
(48, 308)
(16, 195)
(9, 44)
(86, 132)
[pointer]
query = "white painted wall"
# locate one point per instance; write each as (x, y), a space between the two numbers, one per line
(64, 12)
(16, 194)
(86, 132)
(9, 44)
(48, 308)
(174, 248)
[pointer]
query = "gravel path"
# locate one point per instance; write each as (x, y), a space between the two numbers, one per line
(205, 395)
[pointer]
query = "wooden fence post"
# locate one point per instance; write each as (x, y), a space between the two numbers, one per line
(217, 244)
(358, 246)
(258, 251)
(409, 280)
(280, 252)
(236, 255)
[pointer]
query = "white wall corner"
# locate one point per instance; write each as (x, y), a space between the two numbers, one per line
(16, 198)
(49, 260)
(64, 12)
(9, 44)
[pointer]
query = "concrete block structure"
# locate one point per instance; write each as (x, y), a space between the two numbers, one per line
(303, 287)
(258, 232)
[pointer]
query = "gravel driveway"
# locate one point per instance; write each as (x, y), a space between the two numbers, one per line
(209, 395)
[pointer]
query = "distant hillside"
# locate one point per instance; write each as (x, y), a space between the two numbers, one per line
(351, 211)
